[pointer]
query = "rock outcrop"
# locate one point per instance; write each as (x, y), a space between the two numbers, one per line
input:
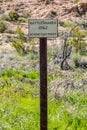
(82, 7)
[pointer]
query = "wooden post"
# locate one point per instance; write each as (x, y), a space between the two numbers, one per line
(43, 84)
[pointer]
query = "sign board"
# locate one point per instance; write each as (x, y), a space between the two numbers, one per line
(43, 28)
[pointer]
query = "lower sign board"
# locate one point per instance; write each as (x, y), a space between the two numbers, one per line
(43, 28)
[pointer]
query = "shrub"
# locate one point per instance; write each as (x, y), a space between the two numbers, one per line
(18, 43)
(1, 42)
(1, 1)
(53, 13)
(76, 57)
(22, 19)
(76, 1)
(20, 34)
(66, 24)
(2, 27)
(6, 17)
(13, 16)
(77, 40)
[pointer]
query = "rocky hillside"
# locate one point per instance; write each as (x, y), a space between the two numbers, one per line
(64, 9)
(14, 13)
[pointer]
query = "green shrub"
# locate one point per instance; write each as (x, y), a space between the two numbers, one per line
(6, 17)
(61, 23)
(22, 19)
(2, 27)
(1, 42)
(18, 43)
(53, 13)
(77, 40)
(76, 57)
(66, 24)
(1, 1)
(76, 1)
(13, 16)
(20, 34)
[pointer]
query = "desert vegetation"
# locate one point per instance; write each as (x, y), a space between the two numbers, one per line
(67, 66)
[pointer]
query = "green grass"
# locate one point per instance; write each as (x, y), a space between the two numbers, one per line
(66, 24)
(16, 73)
(19, 104)
(18, 112)
(69, 114)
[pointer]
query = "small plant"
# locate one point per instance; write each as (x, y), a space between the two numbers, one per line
(61, 23)
(76, 40)
(1, 1)
(22, 19)
(2, 27)
(6, 17)
(53, 13)
(76, 1)
(1, 42)
(20, 33)
(66, 24)
(13, 16)
(18, 43)
(76, 57)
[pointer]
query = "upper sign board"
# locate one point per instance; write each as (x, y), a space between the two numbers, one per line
(43, 28)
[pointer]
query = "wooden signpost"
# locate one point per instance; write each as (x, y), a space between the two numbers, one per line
(43, 29)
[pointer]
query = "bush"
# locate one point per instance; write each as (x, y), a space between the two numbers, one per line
(76, 1)
(66, 24)
(53, 13)
(76, 57)
(1, 1)
(18, 43)
(2, 27)
(1, 42)
(77, 40)
(6, 17)
(13, 16)
(22, 19)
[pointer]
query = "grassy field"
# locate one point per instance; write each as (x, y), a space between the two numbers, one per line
(19, 104)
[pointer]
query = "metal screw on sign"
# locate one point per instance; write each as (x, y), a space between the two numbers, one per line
(43, 29)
